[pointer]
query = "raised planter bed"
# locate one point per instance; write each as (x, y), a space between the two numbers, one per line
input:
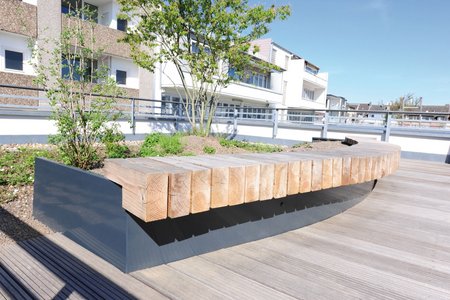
(113, 222)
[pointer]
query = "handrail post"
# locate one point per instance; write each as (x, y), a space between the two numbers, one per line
(178, 113)
(133, 116)
(324, 131)
(235, 120)
(274, 123)
(387, 128)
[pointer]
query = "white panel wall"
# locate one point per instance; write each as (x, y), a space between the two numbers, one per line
(128, 66)
(276, 82)
(105, 15)
(16, 43)
(33, 2)
(293, 76)
(38, 126)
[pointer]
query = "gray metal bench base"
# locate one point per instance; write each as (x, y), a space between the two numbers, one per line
(87, 208)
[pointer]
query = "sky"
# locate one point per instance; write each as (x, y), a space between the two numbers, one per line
(373, 50)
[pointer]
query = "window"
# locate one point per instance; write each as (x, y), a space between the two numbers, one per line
(300, 117)
(91, 12)
(70, 6)
(256, 113)
(225, 110)
(311, 70)
(308, 94)
(273, 58)
(13, 60)
(171, 105)
(286, 62)
(195, 48)
(232, 73)
(258, 79)
(78, 73)
(121, 77)
(122, 24)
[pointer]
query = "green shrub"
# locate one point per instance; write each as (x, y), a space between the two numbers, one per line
(17, 167)
(114, 148)
(82, 110)
(253, 147)
(302, 145)
(158, 144)
(112, 135)
(209, 150)
(187, 153)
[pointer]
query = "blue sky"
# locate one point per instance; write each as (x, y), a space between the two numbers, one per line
(373, 50)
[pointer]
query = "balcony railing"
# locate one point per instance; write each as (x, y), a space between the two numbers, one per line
(425, 123)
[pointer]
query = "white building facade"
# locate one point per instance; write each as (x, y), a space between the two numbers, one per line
(298, 83)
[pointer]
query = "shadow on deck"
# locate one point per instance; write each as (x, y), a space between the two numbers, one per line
(41, 268)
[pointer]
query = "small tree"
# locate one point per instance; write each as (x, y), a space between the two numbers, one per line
(208, 42)
(81, 94)
(406, 101)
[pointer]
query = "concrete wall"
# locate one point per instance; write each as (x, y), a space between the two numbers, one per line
(20, 80)
(28, 127)
(18, 17)
(106, 38)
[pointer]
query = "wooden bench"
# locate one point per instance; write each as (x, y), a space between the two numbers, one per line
(169, 187)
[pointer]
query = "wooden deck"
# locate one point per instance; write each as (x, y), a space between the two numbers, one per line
(393, 245)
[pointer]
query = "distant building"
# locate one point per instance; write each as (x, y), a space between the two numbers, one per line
(367, 112)
(336, 103)
(414, 112)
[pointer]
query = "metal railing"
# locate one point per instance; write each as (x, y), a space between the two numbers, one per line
(22, 101)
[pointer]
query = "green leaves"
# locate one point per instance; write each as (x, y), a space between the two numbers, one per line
(203, 39)
(82, 95)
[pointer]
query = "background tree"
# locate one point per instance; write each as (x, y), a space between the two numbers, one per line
(405, 101)
(81, 94)
(204, 39)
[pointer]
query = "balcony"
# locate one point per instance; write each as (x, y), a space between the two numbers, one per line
(18, 17)
(319, 79)
(171, 83)
(106, 38)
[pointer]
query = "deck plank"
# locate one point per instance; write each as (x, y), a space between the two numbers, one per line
(54, 267)
(227, 281)
(393, 245)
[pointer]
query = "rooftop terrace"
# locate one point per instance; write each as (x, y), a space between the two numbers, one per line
(394, 244)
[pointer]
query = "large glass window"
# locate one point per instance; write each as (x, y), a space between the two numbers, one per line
(13, 60)
(72, 67)
(258, 79)
(308, 94)
(91, 12)
(256, 113)
(171, 107)
(71, 7)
